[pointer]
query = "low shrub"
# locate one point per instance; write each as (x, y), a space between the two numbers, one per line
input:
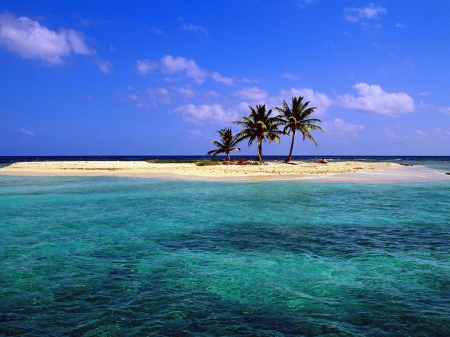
(207, 163)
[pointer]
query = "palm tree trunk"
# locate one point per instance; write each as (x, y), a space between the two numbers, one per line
(228, 156)
(289, 157)
(260, 159)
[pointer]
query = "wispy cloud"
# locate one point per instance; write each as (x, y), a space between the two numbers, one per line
(186, 92)
(394, 134)
(192, 28)
(189, 27)
(159, 95)
(88, 97)
(442, 132)
(104, 66)
(254, 94)
(370, 12)
(401, 25)
(193, 134)
(319, 100)
(222, 79)
(290, 76)
(249, 80)
(421, 133)
(342, 129)
(201, 114)
(145, 67)
(444, 109)
(31, 40)
(157, 31)
(27, 132)
(305, 3)
(374, 99)
(172, 65)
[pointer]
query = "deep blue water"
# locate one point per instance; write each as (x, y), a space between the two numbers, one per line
(103, 256)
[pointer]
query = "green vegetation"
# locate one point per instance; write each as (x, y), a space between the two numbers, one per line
(203, 162)
(295, 118)
(171, 161)
(228, 143)
(207, 163)
(260, 126)
(184, 161)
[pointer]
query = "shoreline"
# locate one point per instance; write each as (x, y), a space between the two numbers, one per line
(350, 171)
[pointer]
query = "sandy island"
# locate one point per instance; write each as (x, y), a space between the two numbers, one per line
(348, 171)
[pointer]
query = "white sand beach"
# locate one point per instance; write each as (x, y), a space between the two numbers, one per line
(349, 170)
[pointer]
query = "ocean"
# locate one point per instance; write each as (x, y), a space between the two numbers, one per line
(108, 256)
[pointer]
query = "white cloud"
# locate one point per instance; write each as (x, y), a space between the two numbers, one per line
(290, 76)
(222, 79)
(340, 128)
(254, 94)
(27, 132)
(425, 93)
(200, 114)
(400, 25)
(369, 12)
(31, 40)
(172, 64)
(319, 100)
(372, 98)
(145, 67)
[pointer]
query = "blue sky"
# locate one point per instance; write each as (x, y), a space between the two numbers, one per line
(162, 76)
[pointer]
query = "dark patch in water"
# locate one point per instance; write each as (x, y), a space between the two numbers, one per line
(327, 241)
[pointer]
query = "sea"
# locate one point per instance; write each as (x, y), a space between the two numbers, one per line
(115, 256)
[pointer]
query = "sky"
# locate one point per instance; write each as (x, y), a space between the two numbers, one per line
(160, 77)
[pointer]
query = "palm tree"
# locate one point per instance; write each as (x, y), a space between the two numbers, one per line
(228, 143)
(261, 127)
(295, 118)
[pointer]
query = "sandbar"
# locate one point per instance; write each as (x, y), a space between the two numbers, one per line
(334, 171)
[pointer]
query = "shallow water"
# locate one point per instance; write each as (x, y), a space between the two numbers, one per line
(97, 256)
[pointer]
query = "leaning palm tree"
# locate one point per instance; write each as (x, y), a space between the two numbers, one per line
(228, 144)
(260, 126)
(295, 118)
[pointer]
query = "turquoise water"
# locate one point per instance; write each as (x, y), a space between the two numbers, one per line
(100, 256)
